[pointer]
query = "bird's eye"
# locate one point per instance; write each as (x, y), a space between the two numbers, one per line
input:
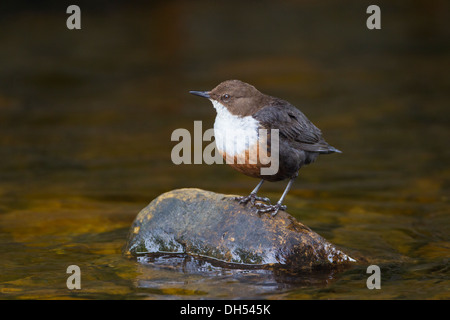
(226, 96)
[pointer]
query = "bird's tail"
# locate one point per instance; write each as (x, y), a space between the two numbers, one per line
(330, 149)
(333, 149)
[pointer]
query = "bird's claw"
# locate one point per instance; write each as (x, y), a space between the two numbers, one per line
(264, 208)
(252, 198)
(261, 207)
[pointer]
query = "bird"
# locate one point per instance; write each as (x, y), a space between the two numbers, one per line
(242, 111)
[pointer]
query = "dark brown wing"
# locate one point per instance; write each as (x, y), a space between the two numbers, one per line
(294, 126)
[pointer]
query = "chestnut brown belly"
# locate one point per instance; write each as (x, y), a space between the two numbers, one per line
(251, 162)
(290, 160)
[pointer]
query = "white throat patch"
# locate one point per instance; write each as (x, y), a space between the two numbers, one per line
(233, 134)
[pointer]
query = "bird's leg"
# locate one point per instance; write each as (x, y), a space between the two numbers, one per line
(252, 197)
(263, 208)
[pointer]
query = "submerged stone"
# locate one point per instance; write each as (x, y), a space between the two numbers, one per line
(211, 225)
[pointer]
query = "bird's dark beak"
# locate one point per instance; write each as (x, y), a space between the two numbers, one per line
(204, 94)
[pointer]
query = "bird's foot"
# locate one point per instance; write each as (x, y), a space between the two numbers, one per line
(252, 198)
(263, 208)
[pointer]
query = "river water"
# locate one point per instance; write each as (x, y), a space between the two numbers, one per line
(86, 118)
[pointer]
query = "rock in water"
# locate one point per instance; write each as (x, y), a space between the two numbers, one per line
(211, 225)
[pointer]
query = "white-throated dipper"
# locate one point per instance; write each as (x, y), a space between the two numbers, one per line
(242, 111)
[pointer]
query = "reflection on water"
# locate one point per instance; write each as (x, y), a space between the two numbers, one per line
(199, 278)
(86, 119)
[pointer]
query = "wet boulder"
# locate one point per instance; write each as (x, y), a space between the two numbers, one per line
(211, 225)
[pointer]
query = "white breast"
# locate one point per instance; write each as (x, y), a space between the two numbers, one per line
(233, 134)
